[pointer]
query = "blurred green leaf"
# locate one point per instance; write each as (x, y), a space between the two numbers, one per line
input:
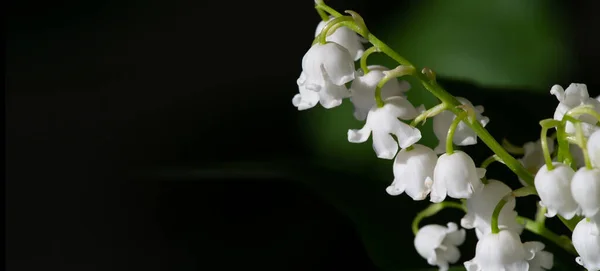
(494, 43)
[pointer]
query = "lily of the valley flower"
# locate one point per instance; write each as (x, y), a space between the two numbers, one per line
(456, 176)
(346, 38)
(575, 95)
(593, 148)
(325, 70)
(502, 251)
(363, 90)
(439, 244)
(553, 187)
(464, 135)
(413, 172)
(481, 206)
(586, 241)
(307, 99)
(542, 260)
(585, 188)
(384, 121)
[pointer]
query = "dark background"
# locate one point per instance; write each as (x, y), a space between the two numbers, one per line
(160, 135)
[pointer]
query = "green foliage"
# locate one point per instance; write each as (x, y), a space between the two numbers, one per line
(493, 43)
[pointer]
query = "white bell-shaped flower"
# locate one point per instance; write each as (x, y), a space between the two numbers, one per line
(439, 244)
(413, 172)
(307, 99)
(500, 251)
(553, 187)
(326, 68)
(586, 241)
(464, 135)
(456, 176)
(542, 260)
(593, 148)
(383, 122)
(481, 206)
(585, 188)
(363, 90)
(575, 95)
(346, 38)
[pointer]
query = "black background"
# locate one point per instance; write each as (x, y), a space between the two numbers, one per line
(99, 91)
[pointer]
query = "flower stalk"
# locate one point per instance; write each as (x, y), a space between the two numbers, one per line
(434, 209)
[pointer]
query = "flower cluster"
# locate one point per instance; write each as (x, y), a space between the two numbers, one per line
(565, 175)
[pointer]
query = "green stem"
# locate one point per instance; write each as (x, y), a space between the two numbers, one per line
(512, 148)
(564, 155)
(547, 124)
(331, 26)
(582, 110)
(322, 14)
(489, 160)
(521, 192)
(391, 74)
(486, 163)
(539, 229)
(431, 112)
(363, 59)
(540, 215)
(328, 9)
(579, 139)
(434, 209)
(452, 130)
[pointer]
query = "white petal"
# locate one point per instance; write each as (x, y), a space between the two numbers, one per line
(455, 236)
(468, 221)
(407, 135)
(538, 259)
(384, 145)
(396, 188)
(359, 136)
(306, 99)
(331, 95)
(558, 91)
(400, 107)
